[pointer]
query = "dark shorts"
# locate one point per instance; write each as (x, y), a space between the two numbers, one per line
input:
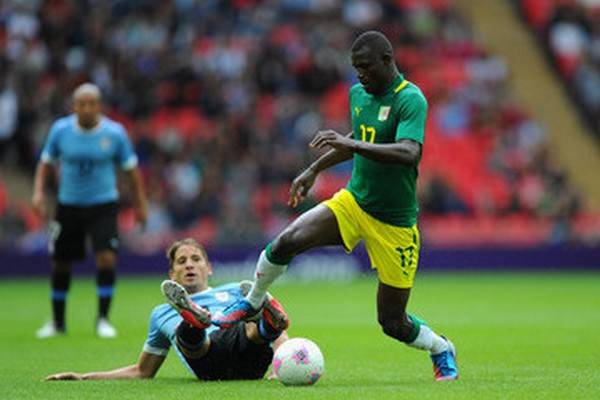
(73, 225)
(231, 356)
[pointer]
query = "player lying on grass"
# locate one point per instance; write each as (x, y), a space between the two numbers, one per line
(244, 352)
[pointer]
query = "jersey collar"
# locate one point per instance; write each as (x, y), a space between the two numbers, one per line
(397, 85)
(208, 289)
(79, 129)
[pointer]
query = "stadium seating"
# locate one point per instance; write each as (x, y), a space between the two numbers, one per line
(221, 113)
(570, 32)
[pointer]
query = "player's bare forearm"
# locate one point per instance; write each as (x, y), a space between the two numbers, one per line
(331, 158)
(129, 372)
(139, 195)
(405, 151)
(38, 199)
(42, 172)
(146, 368)
(303, 182)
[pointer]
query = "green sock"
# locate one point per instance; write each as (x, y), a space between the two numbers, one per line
(414, 332)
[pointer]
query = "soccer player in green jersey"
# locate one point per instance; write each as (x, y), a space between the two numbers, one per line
(378, 205)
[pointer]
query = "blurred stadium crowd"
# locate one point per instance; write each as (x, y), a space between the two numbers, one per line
(221, 98)
(570, 30)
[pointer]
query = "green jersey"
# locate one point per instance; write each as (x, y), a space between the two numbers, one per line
(387, 191)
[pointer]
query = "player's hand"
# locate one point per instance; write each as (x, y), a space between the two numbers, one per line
(331, 138)
(300, 186)
(65, 376)
(40, 205)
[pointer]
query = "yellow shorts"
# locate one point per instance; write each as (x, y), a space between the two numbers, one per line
(393, 250)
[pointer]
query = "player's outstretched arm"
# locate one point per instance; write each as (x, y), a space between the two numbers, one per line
(146, 367)
(303, 182)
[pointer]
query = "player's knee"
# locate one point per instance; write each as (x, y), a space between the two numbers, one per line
(287, 243)
(105, 259)
(389, 327)
(191, 341)
(396, 328)
(61, 267)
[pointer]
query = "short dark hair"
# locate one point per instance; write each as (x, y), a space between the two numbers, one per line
(376, 41)
(183, 242)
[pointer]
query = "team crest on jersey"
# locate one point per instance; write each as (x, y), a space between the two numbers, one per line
(105, 143)
(222, 296)
(357, 110)
(384, 113)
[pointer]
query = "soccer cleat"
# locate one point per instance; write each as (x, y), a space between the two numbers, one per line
(245, 288)
(274, 314)
(105, 330)
(49, 330)
(444, 363)
(179, 299)
(241, 310)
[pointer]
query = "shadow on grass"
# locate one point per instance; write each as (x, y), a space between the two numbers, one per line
(168, 380)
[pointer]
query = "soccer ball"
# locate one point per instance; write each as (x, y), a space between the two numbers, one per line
(298, 362)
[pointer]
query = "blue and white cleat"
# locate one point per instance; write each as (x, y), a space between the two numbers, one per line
(444, 364)
(241, 310)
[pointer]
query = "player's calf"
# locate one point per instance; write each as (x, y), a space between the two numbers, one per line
(192, 341)
(397, 328)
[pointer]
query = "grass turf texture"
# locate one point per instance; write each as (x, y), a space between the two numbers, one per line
(522, 336)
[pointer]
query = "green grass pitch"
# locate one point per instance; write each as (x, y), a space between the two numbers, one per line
(519, 336)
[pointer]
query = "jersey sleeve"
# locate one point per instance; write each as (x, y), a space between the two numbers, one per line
(156, 342)
(413, 113)
(125, 156)
(51, 150)
(352, 108)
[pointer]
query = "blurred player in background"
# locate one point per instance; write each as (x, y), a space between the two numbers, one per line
(243, 352)
(85, 146)
(378, 205)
